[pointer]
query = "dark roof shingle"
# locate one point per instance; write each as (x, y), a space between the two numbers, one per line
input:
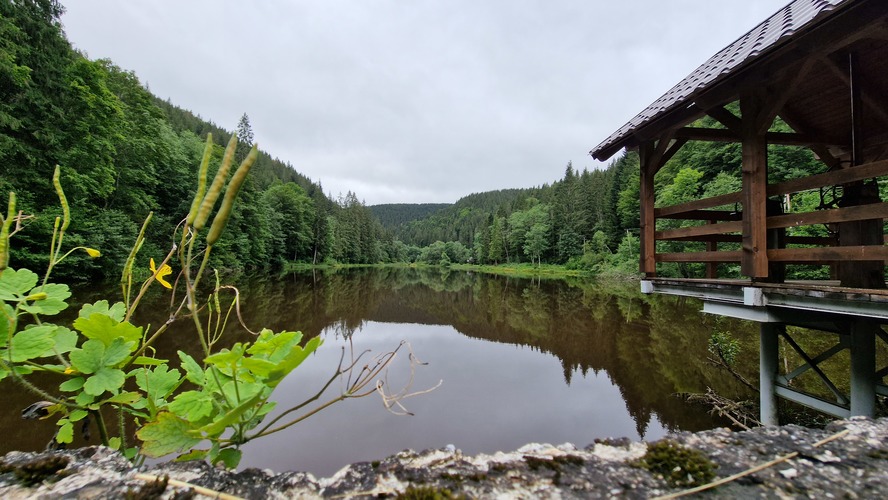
(764, 37)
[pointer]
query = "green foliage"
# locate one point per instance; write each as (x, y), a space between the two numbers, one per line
(725, 346)
(228, 392)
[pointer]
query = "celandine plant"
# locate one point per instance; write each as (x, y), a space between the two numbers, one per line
(200, 409)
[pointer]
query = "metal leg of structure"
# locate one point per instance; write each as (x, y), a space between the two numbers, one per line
(863, 368)
(768, 358)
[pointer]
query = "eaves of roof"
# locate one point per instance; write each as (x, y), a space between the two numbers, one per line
(758, 42)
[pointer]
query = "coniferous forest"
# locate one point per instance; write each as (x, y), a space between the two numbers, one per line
(123, 153)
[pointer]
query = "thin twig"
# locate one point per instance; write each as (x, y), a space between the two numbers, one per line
(182, 484)
(753, 470)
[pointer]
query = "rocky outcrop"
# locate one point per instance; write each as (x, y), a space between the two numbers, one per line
(847, 459)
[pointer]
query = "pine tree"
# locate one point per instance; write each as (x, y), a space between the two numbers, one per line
(244, 138)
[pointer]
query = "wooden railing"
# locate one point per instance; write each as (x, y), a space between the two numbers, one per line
(726, 226)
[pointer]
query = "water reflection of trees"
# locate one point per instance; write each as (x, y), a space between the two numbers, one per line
(649, 347)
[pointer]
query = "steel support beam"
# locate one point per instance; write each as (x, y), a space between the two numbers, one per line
(863, 368)
(768, 357)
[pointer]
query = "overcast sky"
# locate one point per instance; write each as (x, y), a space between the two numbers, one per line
(415, 101)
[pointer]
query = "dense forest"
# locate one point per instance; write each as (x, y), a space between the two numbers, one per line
(124, 153)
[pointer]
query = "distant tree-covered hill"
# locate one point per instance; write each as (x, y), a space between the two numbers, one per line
(394, 215)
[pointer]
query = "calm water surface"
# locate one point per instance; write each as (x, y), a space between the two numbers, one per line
(521, 361)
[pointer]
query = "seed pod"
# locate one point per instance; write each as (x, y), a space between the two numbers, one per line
(201, 181)
(230, 195)
(66, 212)
(206, 206)
(4, 232)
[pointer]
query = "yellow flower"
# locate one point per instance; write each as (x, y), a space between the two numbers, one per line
(161, 273)
(93, 252)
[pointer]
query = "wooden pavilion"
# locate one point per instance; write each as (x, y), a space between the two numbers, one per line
(821, 67)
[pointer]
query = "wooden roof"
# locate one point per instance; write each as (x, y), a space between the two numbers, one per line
(799, 54)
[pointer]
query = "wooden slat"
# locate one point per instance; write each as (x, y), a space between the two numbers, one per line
(834, 178)
(829, 254)
(736, 238)
(715, 201)
(732, 256)
(846, 214)
(694, 231)
(715, 215)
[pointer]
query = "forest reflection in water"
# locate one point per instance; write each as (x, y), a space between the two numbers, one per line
(521, 361)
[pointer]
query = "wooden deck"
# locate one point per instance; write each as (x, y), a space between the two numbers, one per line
(791, 301)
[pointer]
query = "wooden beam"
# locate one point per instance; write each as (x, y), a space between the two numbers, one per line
(736, 238)
(732, 256)
(777, 99)
(715, 201)
(726, 118)
(779, 138)
(713, 215)
(693, 231)
(832, 216)
(755, 183)
(647, 264)
(830, 254)
(834, 178)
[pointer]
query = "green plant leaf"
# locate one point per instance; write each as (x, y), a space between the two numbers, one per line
(167, 434)
(7, 317)
(116, 312)
(88, 359)
(32, 343)
(296, 356)
(126, 398)
(118, 351)
(219, 425)
(84, 399)
(66, 431)
(193, 372)
(258, 367)
(192, 405)
(230, 457)
(192, 455)
(14, 285)
(245, 390)
(226, 358)
(93, 355)
(54, 303)
(77, 415)
(274, 347)
(105, 379)
(158, 383)
(71, 385)
(105, 328)
(65, 341)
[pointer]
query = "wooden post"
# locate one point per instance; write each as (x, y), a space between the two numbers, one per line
(859, 274)
(754, 259)
(648, 263)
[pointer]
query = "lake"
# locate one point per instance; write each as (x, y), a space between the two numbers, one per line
(519, 361)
